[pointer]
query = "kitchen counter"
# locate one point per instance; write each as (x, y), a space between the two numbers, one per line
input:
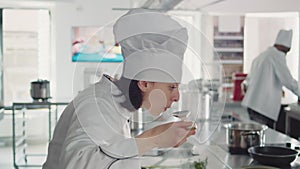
(216, 151)
(234, 161)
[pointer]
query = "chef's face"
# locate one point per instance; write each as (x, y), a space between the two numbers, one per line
(282, 48)
(286, 50)
(158, 97)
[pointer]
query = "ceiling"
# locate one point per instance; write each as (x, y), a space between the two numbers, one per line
(222, 6)
(211, 6)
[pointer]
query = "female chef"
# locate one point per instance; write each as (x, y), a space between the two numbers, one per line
(93, 130)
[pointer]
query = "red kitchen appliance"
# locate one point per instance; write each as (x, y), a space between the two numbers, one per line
(238, 78)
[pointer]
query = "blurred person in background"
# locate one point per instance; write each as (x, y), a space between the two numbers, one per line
(268, 74)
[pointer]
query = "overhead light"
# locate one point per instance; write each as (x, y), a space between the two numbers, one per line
(164, 5)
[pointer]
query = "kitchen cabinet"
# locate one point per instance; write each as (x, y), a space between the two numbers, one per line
(23, 156)
(229, 50)
(292, 121)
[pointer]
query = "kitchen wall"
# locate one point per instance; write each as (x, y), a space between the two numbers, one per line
(66, 77)
(69, 75)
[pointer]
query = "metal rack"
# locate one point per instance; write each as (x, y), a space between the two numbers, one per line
(19, 143)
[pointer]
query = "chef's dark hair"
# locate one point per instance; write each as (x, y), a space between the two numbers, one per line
(131, 91)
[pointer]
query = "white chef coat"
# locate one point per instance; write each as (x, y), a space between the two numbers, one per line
(269, 72)
(93, 132)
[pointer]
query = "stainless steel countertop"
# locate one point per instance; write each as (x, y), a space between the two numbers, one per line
(215, 150)
(234, 161)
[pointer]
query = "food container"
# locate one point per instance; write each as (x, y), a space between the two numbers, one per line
(40, 90)
(240, 136)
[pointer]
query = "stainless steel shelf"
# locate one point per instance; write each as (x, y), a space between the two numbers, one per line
(231, 61)
(227, 85)
(19, 145)
(229, 49)
(218, 37)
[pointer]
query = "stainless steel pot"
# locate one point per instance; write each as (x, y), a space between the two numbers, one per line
(40, 89)
(240, 136)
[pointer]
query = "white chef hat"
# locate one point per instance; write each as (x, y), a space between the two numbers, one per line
(284, 38)
(153, 45)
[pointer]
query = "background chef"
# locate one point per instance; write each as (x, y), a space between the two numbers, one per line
(269, 73)
(93, 131)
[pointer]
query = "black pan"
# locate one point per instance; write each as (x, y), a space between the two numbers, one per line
(274, 156)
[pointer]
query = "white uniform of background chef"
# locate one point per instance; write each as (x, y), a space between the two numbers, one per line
(93, 131)
(269, 73)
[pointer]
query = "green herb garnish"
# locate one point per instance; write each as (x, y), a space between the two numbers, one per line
(189, 165)
(200, 164)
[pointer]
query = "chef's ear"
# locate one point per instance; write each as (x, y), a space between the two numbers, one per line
(145, 85)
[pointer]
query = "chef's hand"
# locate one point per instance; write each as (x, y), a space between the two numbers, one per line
(167, 135)
(172, 134)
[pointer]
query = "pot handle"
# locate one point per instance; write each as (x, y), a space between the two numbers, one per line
(246, 133)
